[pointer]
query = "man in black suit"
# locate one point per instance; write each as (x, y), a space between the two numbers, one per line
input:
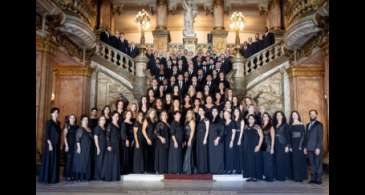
(268, 38)
(123, 43)
(313, 146)
(182, 85)
(114, 40)
(133, 51)
(105, 36)
(210, 83)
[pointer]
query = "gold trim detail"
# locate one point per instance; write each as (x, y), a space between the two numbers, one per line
(70, 70)
(305, 71)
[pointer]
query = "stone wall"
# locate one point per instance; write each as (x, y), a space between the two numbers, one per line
(269, 93)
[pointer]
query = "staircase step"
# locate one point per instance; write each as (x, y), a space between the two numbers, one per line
(189, 177)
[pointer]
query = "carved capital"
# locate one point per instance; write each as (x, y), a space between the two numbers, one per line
(71, 70)
(305, 71)
(45, 44)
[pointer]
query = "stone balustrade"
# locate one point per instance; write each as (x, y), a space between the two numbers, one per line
(299, 8)
(264, 57)
(115, 57)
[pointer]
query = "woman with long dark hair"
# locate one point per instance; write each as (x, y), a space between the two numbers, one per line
(82, 158)
(138, 161)
(216, 147)
(51, 153)
(230, 148)
(161, 132)
(144, 106)
(202, 131)
(189, 139)
(281, 147)
(106, 113)
(239, 124)
(111, 163)
(119, 105)
(176, 144)
(100, 144)
(126, 160)
(150, 97)
(268, 146)
(296, 133)
(148, 127)
(208, 107)
(251, 145)
(69, 137)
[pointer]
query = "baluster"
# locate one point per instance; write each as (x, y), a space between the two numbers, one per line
(118, 59)
(282, 49)
(276, 52)
(102, 51)
(270, 55)
(258, 62)
(114, 57)
(264, 57)
(245, 68)
(121, 62)
(109, 54)
(97, 48)
(251, 64)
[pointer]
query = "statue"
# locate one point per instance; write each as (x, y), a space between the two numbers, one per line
(191, 11)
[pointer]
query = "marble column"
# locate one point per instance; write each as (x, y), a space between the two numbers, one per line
(161, 36)
(238, 77)
(44, 62)
(219, 34)
(307, 91)
(141, 79)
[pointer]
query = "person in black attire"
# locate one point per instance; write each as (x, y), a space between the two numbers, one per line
(119, 104)
(281, 147)
(161, 132)
(269, 38)
(176, 143)
(149, 140)
(105, 36)
(51, 153)
(230, 148)
(133, 51)
(182, 85)
(188, 165)
(93, 120)
(82, 157)
(268, 146)
(125, 144)
(239, 124)
(138, 161)
(298, 160)
(245, 50)
(111, 163)
(122, 43)
(256, 44)
(313, 146)
(216, 147)
(115, 41)
(250, 47)
(209, 82)
(106, 112)
(100, 144)
(202, 131)
(69, 137)
(251, 145)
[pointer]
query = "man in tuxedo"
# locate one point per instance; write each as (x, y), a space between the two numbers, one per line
(123, 43)
(114, 40)
(155, 87)
(256, 44)
(210, 83)
(313, 146)
(105, 36)
(182, 85)
(200, 76)
(250, 47)
(133, 51)
(268, 38)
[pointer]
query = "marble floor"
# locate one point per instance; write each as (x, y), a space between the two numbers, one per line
(183, 187)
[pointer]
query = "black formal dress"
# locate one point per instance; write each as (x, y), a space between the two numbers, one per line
(125, 157)
(82, 161)
(69, 156)
(216, 152)
(188, 165)
(250, 156)
(161, 151)
(175, 154)
(201, 148)
(49, 172)
(101, 134)
(149, 150)
(268, 158)
(138, 163)
(111, 163)
(231, 154)
(93, 122)
(281, 158)
(298, 160)
(239, 158)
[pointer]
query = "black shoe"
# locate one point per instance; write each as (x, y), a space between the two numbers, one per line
(311, 182)
(318, 182)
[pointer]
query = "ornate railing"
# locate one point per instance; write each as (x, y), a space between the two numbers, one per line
(264, 57)
(298, 8)
(115, 57)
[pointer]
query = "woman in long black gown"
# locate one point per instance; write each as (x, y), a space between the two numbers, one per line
(69, 136)
(231, 149)
(49, 172)
(251, 145)
(100, 144)
(188, 167)
(296, 133)
(82, 158)
(138, 162)
(162, 143)
(216, 147)
(268, 146)
(176, 143)
(93, 120)
(202, 131)
(149, 140)
(106, 112)
(126, 130)
(281, 147)
(111, 163)
(239, 123)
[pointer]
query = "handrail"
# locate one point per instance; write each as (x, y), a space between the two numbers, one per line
(115, 57)
(264, 57)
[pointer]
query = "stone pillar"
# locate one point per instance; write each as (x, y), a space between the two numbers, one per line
(161, 36)
(140, 80)
(307, 91)
(238, 77)
(219, 34)
(44, 62)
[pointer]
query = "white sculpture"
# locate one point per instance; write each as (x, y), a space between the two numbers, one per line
(191, 11)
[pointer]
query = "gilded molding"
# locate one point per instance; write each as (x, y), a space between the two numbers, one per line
(70, 70)
(45, 44)
(305, 71)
